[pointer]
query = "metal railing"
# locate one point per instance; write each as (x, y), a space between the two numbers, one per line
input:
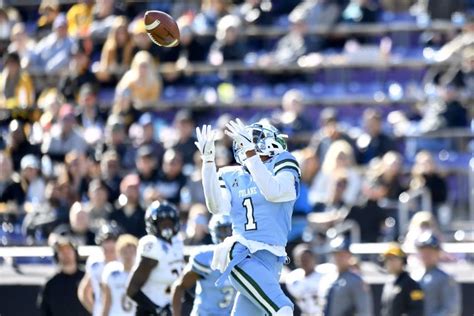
(405, 201)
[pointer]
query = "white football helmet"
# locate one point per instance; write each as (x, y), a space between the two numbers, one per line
(267, 139)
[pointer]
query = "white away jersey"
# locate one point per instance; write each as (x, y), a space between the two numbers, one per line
(116, 279)
(170, 264)
(94, 268)
(307, 290)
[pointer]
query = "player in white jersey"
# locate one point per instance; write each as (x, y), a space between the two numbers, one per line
(159, 261)
(115, 279)
(89, 291)
(303, 282)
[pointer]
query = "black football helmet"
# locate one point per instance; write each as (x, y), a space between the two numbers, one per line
(157, 212)
(109, 231)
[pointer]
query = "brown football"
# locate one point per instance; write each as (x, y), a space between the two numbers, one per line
(162, 28)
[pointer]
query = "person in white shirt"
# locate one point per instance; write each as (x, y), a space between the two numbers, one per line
(159, 261)
(89, 291)
(115, 278)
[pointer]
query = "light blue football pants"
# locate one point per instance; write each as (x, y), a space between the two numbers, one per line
(256, 278)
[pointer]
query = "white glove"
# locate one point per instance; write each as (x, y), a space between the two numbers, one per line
(205, 142)
(236, 130)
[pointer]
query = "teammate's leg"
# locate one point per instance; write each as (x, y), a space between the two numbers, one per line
(243, 306)
(257, 277)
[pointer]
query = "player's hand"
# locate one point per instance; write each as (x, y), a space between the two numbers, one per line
(236, 130)
(205, 142)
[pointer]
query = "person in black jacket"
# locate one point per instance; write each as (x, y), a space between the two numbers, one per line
(402, 295)
(59, 295)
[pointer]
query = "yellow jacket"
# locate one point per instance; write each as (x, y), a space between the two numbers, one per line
(79, 18)
(24, 92)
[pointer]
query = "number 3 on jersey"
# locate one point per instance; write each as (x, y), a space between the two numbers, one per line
(250, 224)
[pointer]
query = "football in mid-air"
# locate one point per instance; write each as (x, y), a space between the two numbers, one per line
(162, 28)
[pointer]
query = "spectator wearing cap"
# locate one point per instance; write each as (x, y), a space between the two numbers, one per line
(147, 168)
(401, 295)
(52, 53)
(77, 75)
(373, 142)
(344, 291)
(184, 125)
(77, 229)
(143, 82)
(16, 86)
(442, 293)
(63, 284)
(48, 11)
(31, 180)
(21, 43)
(116, 53)
(104, 15)
(171, 179)
(98, 205)
(63, 136)
(17, 143)
(129, 215)
(228, 45)
(10, 187)
(80, 17)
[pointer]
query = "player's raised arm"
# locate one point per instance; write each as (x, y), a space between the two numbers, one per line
(278, 187)
(217, 197)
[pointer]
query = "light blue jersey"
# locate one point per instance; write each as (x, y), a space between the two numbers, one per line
(210, 300)
(253, 217)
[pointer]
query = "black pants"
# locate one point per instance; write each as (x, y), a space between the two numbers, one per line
(165, 311)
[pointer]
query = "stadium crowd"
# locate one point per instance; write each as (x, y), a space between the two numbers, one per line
(86, 138)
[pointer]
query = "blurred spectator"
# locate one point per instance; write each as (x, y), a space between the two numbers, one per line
(98, 205)
(360, 11)
(339, 157)
(329, 132)
(89, 115)
(129, 215)
(63, 136)
(110, 173)
(369, 214)
(142, 81)
(292, 46)
(228, 45)
(442, 293)
(443, 10)
(191, 49)
(197, 231)
(16, 86)
(103, 17)
(78, 74)
(116, 139)
(421, 222)
(141, 41)
(52, 53)
(171, 179)
(5, 24)
(18, 145)
(31, 181)
(122, 107)
(76, 172)
(21, 43)
(147, 136)
(334, 205)
(147, 168)
(401, 295)
(389, 175)
(210, 13)
(193, 192)
(63, 284)
(79, 17)
(425, 174)
(373, 142)
(303, 282)
(10, 187)
(117, 51)
(343, 290)
(184, 125)
(48, 10)
(78, 229)
(255, 12)
(292, 120)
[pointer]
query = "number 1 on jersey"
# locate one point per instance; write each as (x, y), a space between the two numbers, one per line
(250, 224)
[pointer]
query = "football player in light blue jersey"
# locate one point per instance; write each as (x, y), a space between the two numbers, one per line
(210, 300)
(259, 196)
